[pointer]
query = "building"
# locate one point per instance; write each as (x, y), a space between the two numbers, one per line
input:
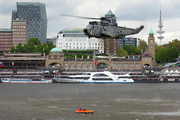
(20, 32)
(73, 39)
(35, 15)
(16, 61)
(56, 56)
(5, 40)
(136, 62)
(53, 40)
(128, 41)
(111, 46)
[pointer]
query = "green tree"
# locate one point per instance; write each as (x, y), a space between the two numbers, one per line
(157, 58)
(45, 49)
(122, 53)
(12, 49)
(19, 48)
(39, 49)
(132, 50)
(172, 54)
(50, 46)
(31, 48)
(162, 55)
(35, 41)
(143, 45)
(25, 48)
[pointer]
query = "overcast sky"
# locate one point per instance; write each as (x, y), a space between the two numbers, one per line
(129, 13)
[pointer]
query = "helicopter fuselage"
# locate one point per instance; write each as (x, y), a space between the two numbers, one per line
(98, 30)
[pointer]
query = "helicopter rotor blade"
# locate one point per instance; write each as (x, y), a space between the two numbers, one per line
(80, 17)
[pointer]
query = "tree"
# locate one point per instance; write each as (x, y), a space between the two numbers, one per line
(39, 49)
(12, 49)
(35, 41)
(162, 55)
(50, 46)
(157, 58)
(132, 50)
(172, 54)
(122, 53)
(143, 45)
(31, 48)
(25, 48)
(19, 48)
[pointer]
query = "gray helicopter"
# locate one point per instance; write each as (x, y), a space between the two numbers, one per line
(107, 27)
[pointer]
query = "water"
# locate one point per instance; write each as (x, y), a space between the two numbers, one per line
(138, 101)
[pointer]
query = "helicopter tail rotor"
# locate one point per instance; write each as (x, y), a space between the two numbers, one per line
(139, 29)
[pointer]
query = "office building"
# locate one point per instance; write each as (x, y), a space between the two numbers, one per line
(35, 15)
(74, 39)
(5, 40)
(111, 46)
(128, 41)
(20, 32)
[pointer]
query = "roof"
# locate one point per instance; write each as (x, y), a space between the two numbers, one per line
(146, 53)
(109, 13)
(151, 31)
(56, 50)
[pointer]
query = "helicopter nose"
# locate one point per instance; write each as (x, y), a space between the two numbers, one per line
(85, 30)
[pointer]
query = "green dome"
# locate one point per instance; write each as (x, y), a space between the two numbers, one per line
(109, 13)
(151, 31)
(56, 50)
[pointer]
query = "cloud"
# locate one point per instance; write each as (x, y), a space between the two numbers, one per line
(129, 13)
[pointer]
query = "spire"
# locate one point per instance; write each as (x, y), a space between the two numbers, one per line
(160, 12)
(151, 31)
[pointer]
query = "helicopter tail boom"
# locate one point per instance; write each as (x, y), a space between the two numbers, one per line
(139, 29)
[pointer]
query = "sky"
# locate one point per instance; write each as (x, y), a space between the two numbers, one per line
(129, 13)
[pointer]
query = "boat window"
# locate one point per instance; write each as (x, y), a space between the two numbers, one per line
(124, 77)
(100, 75)
(102, 79)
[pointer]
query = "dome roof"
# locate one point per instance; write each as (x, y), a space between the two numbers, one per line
(56, 50)
(109, 13)
(151, 31)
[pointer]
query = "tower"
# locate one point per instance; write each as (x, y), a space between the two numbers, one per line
(160, 32)
(34, 14)
(151, 46)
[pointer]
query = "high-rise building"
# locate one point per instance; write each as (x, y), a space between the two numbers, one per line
(128, 41)
(35, 15)
(20, 32)
(111, 46)
(5, 40)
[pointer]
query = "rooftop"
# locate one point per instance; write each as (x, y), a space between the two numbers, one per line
(109, 13)
(56, 50)
(151, 31)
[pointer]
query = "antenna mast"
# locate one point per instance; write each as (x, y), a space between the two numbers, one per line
(160, 32)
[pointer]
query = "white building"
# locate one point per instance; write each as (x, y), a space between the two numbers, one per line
(73, 39)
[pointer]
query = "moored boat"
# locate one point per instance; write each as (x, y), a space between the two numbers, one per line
(97, 77)
(24, 80)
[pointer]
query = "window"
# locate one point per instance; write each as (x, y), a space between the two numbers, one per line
(151, 46)
(151, 41)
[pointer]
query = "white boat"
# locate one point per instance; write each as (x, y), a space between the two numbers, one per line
(97, 77)
(24, 80)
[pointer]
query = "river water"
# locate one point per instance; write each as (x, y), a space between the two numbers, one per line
(137, 101)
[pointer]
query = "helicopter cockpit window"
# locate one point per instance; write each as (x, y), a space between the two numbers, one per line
(89, 26)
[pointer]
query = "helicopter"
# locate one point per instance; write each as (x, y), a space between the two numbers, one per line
(107, 27)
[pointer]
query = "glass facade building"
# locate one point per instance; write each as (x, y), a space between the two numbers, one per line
(128, 41)
(35, 15)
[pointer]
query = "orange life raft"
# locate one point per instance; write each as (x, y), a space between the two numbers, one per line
(84, 111)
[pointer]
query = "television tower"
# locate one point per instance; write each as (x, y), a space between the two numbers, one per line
(160, 32)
